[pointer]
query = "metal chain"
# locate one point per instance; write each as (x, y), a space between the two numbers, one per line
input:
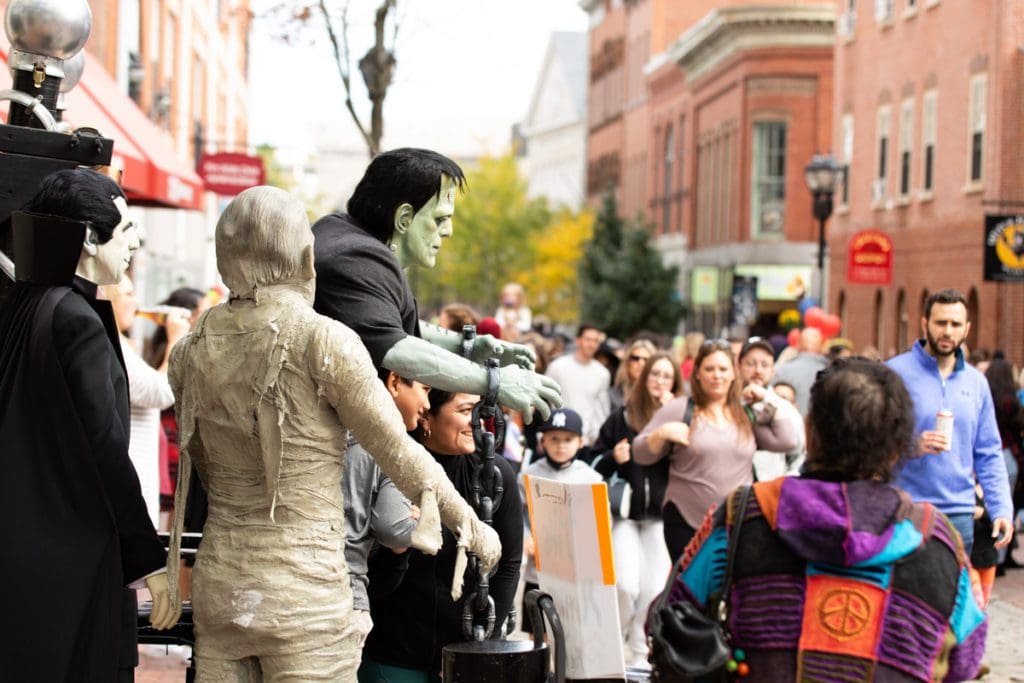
(485, 493)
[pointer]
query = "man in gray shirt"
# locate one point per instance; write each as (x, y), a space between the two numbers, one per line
(801, 372)
(376, 513)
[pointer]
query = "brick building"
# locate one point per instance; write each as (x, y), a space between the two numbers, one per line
(184, 65)
(928, 116)
(156, 73)
(702, 116)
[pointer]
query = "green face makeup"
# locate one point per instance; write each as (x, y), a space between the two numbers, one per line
(419, 245)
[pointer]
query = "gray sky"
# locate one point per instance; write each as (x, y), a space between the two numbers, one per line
(466, 72)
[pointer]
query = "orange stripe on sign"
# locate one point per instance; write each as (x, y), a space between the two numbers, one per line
(533, 523)
(604, 532)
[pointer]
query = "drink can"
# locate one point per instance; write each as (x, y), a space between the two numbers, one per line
(944, 423)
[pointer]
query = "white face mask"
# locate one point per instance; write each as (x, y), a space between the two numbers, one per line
(113, 257)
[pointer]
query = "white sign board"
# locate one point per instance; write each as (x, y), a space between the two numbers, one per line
(572, 534)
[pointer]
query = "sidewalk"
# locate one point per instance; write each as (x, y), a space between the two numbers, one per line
(1004, 652)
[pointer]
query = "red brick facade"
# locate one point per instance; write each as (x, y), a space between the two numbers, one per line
(679, 150)
(917, 53)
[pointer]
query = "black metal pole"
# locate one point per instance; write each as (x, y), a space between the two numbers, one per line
(821, 262)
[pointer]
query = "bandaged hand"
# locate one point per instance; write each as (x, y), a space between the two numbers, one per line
(166, 608)
(479, 539)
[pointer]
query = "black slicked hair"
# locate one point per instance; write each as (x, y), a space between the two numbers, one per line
(400, 176)
(80, 194)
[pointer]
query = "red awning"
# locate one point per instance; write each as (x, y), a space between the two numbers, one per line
(152, 172)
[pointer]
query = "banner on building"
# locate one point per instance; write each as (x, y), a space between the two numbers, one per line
(778, 282)
(704, 286)
(743, 311)
(869, 259)
(228, 173)
(1004, 248)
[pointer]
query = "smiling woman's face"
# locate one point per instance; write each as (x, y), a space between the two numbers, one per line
(451, 430)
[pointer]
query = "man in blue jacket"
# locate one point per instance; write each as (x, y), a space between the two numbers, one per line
(945, 469)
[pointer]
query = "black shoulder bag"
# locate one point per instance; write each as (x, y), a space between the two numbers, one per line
(686, 643)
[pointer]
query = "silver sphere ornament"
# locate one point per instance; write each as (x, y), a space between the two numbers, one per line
(73, 69)
(54, 28)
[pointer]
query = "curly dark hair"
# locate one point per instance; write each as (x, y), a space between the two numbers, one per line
(861, 420)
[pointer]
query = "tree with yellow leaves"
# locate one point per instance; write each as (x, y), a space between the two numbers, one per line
(552, 281)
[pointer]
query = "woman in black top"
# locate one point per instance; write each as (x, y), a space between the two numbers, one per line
(641, 560)
(413, 613)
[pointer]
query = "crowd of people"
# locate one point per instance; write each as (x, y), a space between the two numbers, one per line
(889, 487)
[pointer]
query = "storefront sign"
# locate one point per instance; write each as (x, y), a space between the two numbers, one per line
(227, 173)
(1004, 248)
(870, 259)
(744, 310)
(704, 286)
(778, 282)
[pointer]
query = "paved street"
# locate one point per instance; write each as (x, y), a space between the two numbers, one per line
(1005, 652)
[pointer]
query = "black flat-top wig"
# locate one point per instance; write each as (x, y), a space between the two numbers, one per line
(80, 194)
(400, 176)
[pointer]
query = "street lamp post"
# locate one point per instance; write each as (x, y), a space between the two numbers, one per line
(823, 175)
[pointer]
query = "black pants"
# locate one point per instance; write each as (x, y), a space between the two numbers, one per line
(677, 532)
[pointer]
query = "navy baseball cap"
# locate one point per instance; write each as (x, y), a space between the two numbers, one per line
(565, 419)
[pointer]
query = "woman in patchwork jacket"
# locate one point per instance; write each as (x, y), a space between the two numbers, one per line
(838, 575)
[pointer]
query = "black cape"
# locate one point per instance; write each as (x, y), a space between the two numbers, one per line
(73, 524)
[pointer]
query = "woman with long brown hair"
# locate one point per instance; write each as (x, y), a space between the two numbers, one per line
(626, 377)
(712, 452)
(637, 490)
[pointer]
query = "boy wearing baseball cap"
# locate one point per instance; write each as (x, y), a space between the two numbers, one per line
(561, 439)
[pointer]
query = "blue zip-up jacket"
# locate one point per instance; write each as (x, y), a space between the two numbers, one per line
(946, 480)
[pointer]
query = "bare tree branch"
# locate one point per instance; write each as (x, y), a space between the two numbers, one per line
(341, 59)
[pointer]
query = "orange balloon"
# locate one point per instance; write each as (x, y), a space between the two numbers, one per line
(794, 336)
(813, 316)
(830, 325)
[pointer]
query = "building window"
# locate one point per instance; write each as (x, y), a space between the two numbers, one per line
(879, 325)
(882, 172)
(768, 203)
(847, 149)
(928, 140)
(682, 171)
(906, 144)
(977, 126)
(883, 10)
(666, 181)
(902, 322)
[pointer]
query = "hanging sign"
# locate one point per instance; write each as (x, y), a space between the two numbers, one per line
(1004, 248)
(870, 259)
(228, 173)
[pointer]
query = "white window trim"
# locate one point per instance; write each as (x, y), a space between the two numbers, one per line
(880, 183)
(973, 126)
(929, 135)
(906, 145)
(847, 136)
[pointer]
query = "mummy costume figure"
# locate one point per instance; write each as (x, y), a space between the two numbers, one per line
(266, 391)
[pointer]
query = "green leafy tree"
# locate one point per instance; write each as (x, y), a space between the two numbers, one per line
(496, 227)
(552, 283)
(625, 286)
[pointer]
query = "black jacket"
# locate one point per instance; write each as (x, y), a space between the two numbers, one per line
(414, 616)
(360, 282)
(647, 482)
(73, 523)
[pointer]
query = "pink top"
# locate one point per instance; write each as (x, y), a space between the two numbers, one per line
(717, 460)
